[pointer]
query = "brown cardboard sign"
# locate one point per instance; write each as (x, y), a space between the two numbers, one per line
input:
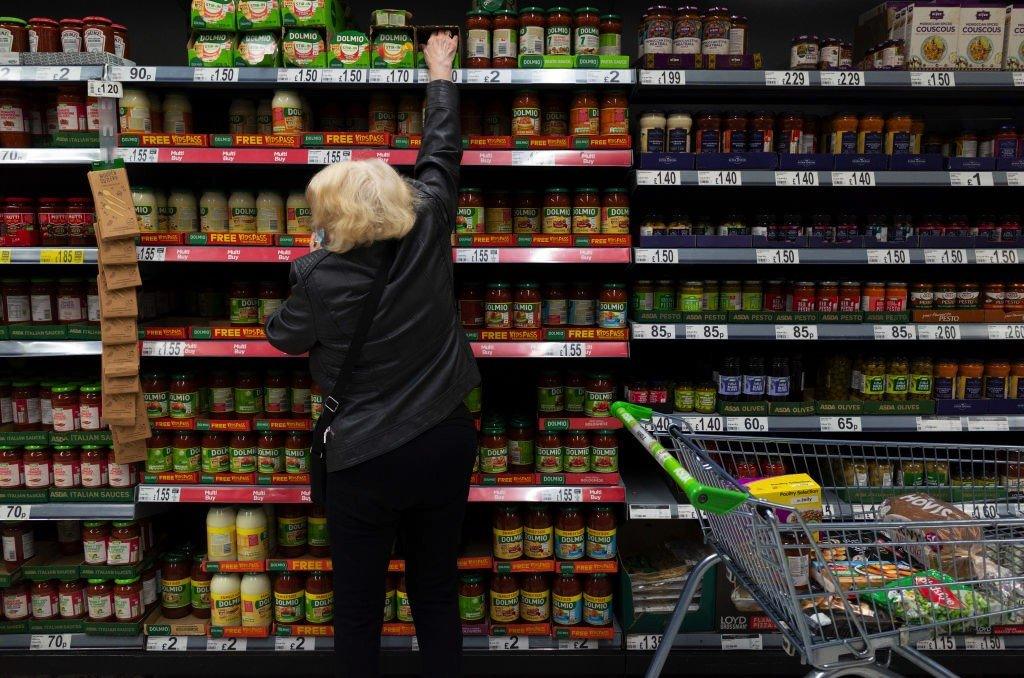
(119, 408)
(121, 360)
(120, 303)
(127, 452)
(121, 276)
(118, 331)
(115, 211)
(121, 385)
(119, 251)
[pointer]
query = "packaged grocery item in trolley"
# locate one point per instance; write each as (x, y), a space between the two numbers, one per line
(950, 550)
(931, 596)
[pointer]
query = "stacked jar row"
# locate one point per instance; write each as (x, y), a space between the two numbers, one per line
(49, 301)
(222, 395)
(565, 600)
(531, 306)
(517, 449)
(48, 221)
(51, 405)
(211, 452)
(63, 466)
(572, 535)
(96, 599)
(587, 211)
(695, 296)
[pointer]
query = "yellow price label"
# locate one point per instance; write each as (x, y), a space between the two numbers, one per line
(5, 256)
(61, 256)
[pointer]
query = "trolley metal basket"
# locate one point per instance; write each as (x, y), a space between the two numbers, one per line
(852, 582)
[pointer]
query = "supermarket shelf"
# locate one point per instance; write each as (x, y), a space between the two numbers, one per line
(211, 349)
(48, 74)
(551, 349)
(357, 77)
(810, 179)
(541, 255)
(549, 495)
(223, 494)
(68, 641)
(36, 349)
(649, 497)
(48, 255)
(818, 255)
(48, 156)
(74, 511)
(816, 83)
(847, 424)
(398, 157)
(829, 332)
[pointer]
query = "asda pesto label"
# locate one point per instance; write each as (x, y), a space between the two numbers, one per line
(471, 608)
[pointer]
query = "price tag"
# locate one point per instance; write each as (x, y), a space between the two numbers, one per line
(940, 643)
(939, 424)
(796, 178)
(642, 643)
(600, 76)
(747, 424)
(937, 79)
(842, 78)
(1018, 79)
(650, 513)
(796, 332)
(654, 331)
(215, 75)
(415, 644)
(301, 75)
(501, 643)
(859, 179)
(996, 256)
(13, 155)
(226, 644)
(1003, 332)
(5, 256)
(294, 644)
(58, 255)
(840, 424)
(15, 511)
(166, 643)
(712, 424)
(888, 256)
(349, 75)
(328, 156)
(151, 253)
(163, 349)
(778, 256)
(571, 350)
(493, 76)
(105, 89)
(158, 494)
(719, 178)
(787, 78)
(938, 332)
(987, 424)
(715, 332)
(660, 423)
(984, 643)
(10, 73)
(477, 255)
(895, 332)
(50, 641)
(670, 78)
(981, 511)
(577, 644)
(971, 179)
(686, 512)
(58, 73)
(730, 642)
(563, 494)
(133, 73)
(143, 154)
(945, 256)
(1015, 178)
(659, 178)
(391, 76)
(648, 256)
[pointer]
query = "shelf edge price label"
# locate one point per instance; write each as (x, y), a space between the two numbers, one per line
(1005, 332)
(139, 154)
(601, 76)
(939, 424)
(215, 75)
(983, 424)
(159, 494)
(146, 253)
(577, 644)
(934, 79)
(971, 179)
(939, 332)
(1015, 178)
(858, 179)
(1018, 79)
(953, 256)
(105, 89)
(984, 643)
(10, 73)
(940, 643)
(686, 512)
(668, 77)
(746, 424)
(15, 511)
(294, 643)
(888, 256)
(12, 155)
(573, 349)
(796, 179)
(648, 256)
(489, 76)
(710, 424)
(226, 644)
(61, 256)
(650, 513)
(133, 73)
(719, 178)
(796, 332)
(842, 78)
(641, 331)
(787, 78)
(58, 73)
(349, 75)
(709, 332)
(167, 349)
(643, 642)
(166, 643)
(5, 256)
(785, 257)
(895, 332)
(50, 642)
(840, 424)
(328, 156)
(392, 76)
(660, 178)
(306, 75)
(1005, 256)
(509, 643)
(477, 255)
(742, 642)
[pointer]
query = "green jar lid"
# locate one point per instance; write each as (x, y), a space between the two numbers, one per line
(605, 432)
(494, 428)
(504, 12)
(40, 281)
(123, 523)
(478, 12)
(471, 189)
(13, 20)
(499, 284)
(532, 10)
(12, 281)
(614, 285)
(128, 580)
(63, 448)
(529, 284)
(521, 422)
(611, 17)
(174, 557)
(600, 375)
(90, 388)
(70, 281)
(93, 447)
(64, 388)
(34, 448)
(182, 376)
(94, 523)
(558, 189)
(559, 10)
(587, 189)
(588, 10)
(472, 578)
(97, 581)
(616, 190)
(23, 384)
(199, 558)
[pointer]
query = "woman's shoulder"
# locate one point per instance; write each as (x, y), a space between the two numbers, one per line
(306, 264)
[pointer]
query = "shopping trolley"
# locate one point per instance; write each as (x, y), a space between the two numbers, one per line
(843, 586)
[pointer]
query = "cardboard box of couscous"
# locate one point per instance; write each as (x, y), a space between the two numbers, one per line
(932, 35)
(1013, 38)
(980, 41)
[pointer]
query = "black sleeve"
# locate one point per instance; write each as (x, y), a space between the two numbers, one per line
(437, 165)
(292, 328)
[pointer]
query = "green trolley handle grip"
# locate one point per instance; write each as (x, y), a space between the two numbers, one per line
(711, 499)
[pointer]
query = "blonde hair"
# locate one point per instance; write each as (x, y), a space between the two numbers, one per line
(359, 203)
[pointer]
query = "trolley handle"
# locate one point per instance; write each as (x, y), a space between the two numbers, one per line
(711, 499)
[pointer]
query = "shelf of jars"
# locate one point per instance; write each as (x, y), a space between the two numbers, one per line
(714, 250)
(49, 156)
(843, 424)
(484, 563)
(809, 178)
(827, 331)
(40, 349)
(818, 83)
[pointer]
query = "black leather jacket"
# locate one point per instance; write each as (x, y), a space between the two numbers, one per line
(416, 366)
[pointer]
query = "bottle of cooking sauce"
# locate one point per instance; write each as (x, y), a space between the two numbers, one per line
(532, 24)
(183, 396)
(585, 114)
(67, 470)
(558, 37)
(289, 598)
(566, 601)
(534, 599)
(176, 586)
(504, 599)
(597, 600)
(37, 466)
(319, 598)
(557, 213)
(498, 213)
(538, 533)
(569, 534)
(291, 530)
(318, 537)
(508, 533)
(505, 39)
(526, 217)
(548, 453)
(199, 588)
(125, 544)
(214, 453)
(601, 534)
(554, 120)
(269, 453)
(472, 598)
(520, 445)
(248, 392)
(242, 453)
(71, 599)
(526, 113)
(576, 454)
(45, 600)
(586, 211)
(526, 309)
(604, 452)
(498, 306)
(296, 452)
(478, 39)
(99, 600)
(614, 218)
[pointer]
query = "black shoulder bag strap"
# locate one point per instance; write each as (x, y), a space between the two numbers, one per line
(322, 431)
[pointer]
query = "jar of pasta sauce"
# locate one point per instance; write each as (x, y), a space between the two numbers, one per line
(67, 471)
(52, 219)
(16, 301)
(18, 218)
(120, 474)
(554, 306)
(81, 221)
(93, 461)
(11, 472)
(90, 407)
(71, 307)
(66, 408)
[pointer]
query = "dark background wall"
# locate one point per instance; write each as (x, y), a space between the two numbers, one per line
(158, 28)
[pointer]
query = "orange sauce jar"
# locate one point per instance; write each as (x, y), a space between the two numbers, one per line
(844, 133)
(870, 130)
(585, 114)
(526, 113)
(898, 130)
(615, 112)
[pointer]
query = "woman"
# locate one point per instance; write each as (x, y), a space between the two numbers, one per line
(403, 443)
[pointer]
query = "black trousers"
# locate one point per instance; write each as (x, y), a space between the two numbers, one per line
(418, 494)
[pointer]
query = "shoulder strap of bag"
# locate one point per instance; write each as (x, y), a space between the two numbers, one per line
(355, 347)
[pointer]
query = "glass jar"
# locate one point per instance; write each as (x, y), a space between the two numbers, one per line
(870, 139)
(67, 471)
(734, 134)
(507, 531)
(99, 600)
(587, 31)
(318, 537)
(709, 135)
(296, 453)
(526, 216)
(504, 599)
(586, 211)
(505, 39)
(532, 25)
(128, 605)
(557, 212)
(738, 30)
(614, 113)
(45, 600)
(585, 114)
(804, 52)
(95, 537)
(717, 23)
(70, 296)
(36, 463)
(11, 470)
(558, 35)
(612, 306)
(555, 306)
(97, 34)
(493, 448)
(176, 586)
(478, 39)
(569, 534)
(124, 545)
(498, 306)
(610, 35)
(470, 214)
(526, 308)
(18, 543)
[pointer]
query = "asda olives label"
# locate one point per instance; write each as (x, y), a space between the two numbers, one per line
(576, 459)
(601, 544)
(508, 544)
(538, 542)
(504, 607)
(471, 608)
(199, 594)
(289, 607)
(291, 531)
(296, 460)
(597, 610)
(249, 400)
(404, 611)
(569, 544)
(494, 459)
(215, 460)
(242, 459)
(605, 459)
(244, 311)
(175, 592)
(183, 405)
(567, 610)
(158, 459)
(535, 606)
(897, 384)
(186, 459)
(269, 460)
(520, 452)
(874, 385)
(550, 399)
(548, 459)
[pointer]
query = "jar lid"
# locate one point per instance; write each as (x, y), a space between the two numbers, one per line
(494, 428)
(499, 283)
(587, 10)
(95, 20)
(126, 581)
(615, 285)
(611, 17)
(533, 9)
(504, 12)
(12, 20)
(42, 20)
(560, 10)
(478, 12)
(94, 523)
(23, 384)
(181, 376)
(123, 523)
(739, 17)
(470, 189)
(64, 388)
(96, 580)
(63, 448)
(472, 578)
(35, 448)
(529, 284)
(521, 422)
(587, 189)
(120, 27)
(618, 189)
(90, 388)
(604, 432)
(7, 447)
(600, 376)
(71, 22)
(174, 557)
(558, 189)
